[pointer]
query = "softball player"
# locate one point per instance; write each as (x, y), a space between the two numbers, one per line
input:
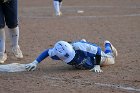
(9, 17)
(80, 54)
(57, 7)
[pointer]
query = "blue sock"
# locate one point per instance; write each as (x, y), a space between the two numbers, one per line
(108, 48)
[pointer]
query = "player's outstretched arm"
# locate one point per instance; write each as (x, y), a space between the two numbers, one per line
(33, 65)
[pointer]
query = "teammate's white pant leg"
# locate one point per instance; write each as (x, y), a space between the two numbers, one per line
(14, 36)
(107, 59)
(60, 5)
(57, 8)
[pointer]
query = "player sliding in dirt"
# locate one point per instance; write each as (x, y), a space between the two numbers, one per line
(80, 54)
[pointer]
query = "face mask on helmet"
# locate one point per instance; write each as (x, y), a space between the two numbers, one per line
(64, 51)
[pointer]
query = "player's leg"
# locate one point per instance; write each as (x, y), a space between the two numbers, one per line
(108, 56)
(60, 5)
(3, 55)
(11, 18)
(57, 7)
(14, 37)
(109, 48)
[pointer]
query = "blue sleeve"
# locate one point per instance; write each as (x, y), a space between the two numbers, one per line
(42, 56)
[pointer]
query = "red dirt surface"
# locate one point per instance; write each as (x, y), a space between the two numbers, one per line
(114, 20)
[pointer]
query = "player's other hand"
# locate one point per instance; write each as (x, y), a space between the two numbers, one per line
(31, 66)
(96, 68)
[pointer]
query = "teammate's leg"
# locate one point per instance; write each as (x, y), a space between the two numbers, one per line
(14, 37)
(3, 55)
(11, 18)
(57, 7)
(60, 5)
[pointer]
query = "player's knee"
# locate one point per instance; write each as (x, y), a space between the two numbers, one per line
(60, 1)
(12, 23)
(11, 26)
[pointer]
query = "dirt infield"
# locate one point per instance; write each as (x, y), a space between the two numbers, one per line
(114, 20)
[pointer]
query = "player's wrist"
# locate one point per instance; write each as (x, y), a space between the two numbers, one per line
(35, 62)
(97, 66)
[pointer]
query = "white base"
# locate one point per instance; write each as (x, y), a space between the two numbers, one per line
(14, 67)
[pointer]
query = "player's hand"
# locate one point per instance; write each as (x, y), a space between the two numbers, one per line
(96, 68)
(31, 66)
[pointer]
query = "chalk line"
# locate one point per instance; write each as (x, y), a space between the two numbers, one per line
(98, 84)
(94, 6)
(105, 16)
(118, 87)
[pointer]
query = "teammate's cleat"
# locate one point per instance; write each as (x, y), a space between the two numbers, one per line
(3, 57)
(17, 52)
(59, 14)
(112, 47)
